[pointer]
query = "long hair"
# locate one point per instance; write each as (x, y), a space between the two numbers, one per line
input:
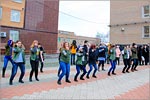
(93, 46)
(32, 45)
(74, 43)
(64, 45)
(111, 46)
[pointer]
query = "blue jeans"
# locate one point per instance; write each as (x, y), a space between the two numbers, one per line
(101, 62)
(65, 67)
(113, 66)
(59, 69)
(15, 68)
(73, 59)
(135, 64)
(91, 67)
(6, 59)
(78, 68)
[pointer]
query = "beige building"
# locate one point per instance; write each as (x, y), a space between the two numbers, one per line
(130, 21)
(65, 36)
(12, 13)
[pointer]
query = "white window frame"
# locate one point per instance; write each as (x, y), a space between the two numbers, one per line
(15, 18)
(143, 15)
(1, 12)
(143, 33)
(12, 35)
(18, 1)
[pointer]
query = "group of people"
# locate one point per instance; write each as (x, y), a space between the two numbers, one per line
(15, 53)
(95, 57)
(143, 55)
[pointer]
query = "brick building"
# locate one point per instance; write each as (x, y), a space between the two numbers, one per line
(129, 21)
(27, 20)
(66, 36)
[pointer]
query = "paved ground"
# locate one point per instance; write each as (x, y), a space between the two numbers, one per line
(129, 86)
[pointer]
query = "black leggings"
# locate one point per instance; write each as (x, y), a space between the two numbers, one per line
(118, 60)
(127, 65)
(42, 64)
(34, 68)
(146, 59)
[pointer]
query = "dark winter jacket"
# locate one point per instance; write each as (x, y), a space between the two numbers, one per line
(92, 56)
(102, 52)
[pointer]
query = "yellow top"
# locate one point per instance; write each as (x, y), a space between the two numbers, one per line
(73, 50)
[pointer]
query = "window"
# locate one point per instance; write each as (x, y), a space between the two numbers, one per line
(14, 35)
(146, 31)
(0, 12)
(15, 16)
(59, 39)
(18, 1)
(146, 11)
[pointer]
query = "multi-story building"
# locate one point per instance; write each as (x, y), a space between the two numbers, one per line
(130, 21)
(66, 36)
(29, 20)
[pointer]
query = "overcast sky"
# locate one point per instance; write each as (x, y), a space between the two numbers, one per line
(94, 11)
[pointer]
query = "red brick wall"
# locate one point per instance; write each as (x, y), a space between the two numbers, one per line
(41, 23)
(48, 40)
(42, 15)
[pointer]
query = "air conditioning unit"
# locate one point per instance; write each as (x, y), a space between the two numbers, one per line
(3, 34)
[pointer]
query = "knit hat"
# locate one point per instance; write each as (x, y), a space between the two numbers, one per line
(9, 42)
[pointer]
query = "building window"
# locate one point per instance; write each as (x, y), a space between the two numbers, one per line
(14, 35)
(146, 11)
(146, 31)
(18, 1)
(15, 16)
(0, 12)
(59, 39)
